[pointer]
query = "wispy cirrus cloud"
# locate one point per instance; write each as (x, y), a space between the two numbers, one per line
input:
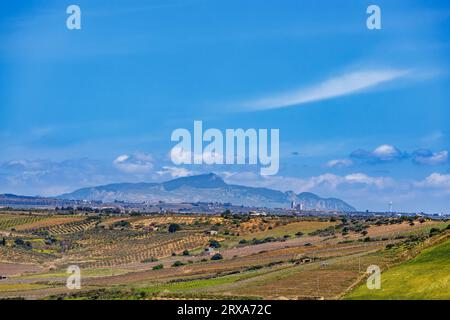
(342, 85)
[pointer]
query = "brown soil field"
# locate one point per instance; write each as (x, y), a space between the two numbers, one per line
(324, 265)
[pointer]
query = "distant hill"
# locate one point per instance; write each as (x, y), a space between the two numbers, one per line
(14, 200)
(205, 188)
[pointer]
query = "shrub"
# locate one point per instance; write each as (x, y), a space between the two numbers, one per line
(158, 267)
(214, 244)
(19, 242)
(178, 264)
(174, 227)
(434, 231)
(121, 224)
(217, 256)
(186, 253)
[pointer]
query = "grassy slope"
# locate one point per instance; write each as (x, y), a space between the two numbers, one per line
(427, 276)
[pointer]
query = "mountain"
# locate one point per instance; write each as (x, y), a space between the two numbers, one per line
(14, 200)
(205, 188)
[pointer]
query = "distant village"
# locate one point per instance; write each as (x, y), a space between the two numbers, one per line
(121, 207)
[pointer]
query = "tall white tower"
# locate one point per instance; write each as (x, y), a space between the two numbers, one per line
(390, 206)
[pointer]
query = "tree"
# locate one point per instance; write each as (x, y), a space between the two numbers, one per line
(214, 244)
(3, 242)
(186, 253)
(158, 267)
(226, 214)
(19, 242)
(217, 256)
(174, 227)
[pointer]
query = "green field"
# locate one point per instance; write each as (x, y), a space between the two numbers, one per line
(427, 276)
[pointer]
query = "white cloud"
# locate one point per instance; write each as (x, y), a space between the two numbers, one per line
(386, 151)
(138, 163)
(361, 178)
(326, 181)
(339, 163)
(334, 87)
(381, 154)
(436, 180)
(175, 172)
(49, 178)
(431, 158)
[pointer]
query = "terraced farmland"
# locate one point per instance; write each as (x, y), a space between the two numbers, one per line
(14, 221)
(49, 222)
(71, 227)
(259, 257)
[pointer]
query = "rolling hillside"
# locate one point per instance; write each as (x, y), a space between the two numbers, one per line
(427, 276)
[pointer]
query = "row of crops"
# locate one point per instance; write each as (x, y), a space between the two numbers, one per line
(9, 222)
(143, 252)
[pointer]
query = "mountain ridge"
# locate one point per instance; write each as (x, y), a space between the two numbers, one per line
(205, 188)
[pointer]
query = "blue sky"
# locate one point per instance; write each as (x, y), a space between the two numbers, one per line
(363, 114)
